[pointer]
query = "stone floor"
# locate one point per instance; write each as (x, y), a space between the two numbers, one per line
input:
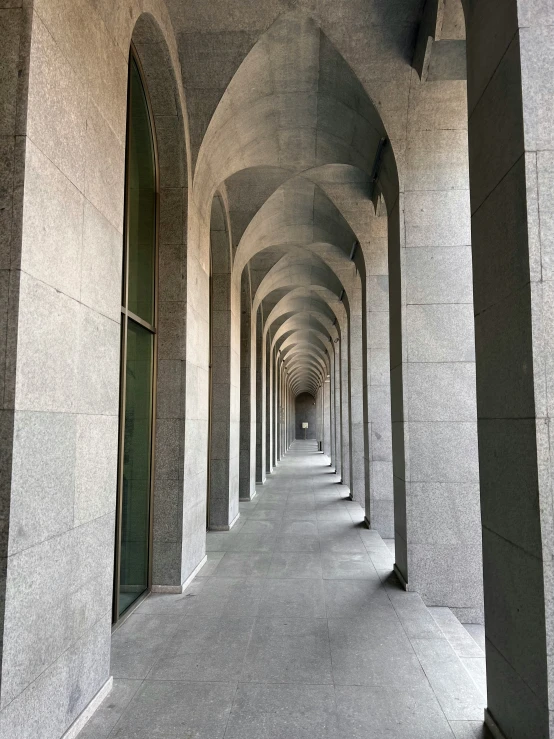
(294, 629)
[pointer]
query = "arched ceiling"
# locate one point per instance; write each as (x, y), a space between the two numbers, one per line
(294, 143)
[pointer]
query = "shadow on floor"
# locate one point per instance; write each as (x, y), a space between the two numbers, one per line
(295, 628)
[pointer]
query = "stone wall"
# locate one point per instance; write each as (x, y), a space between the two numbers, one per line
(306, 411)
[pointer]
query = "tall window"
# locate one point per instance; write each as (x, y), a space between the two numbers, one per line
(138, 352)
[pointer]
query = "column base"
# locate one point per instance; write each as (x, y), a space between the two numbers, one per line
(400, 576)
(492, 726)
(367, 522)
(79, 723)
(226, 527)
(178, 589)
(247, 500)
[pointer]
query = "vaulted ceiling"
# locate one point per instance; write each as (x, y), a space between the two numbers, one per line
(294, 105)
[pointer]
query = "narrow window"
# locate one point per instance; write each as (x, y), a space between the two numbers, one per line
(138, 352)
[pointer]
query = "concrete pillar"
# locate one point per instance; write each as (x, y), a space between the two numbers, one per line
(345, 412)
(337, 413)
(260, 370)
(247, 458)
(511, 144)
(318, 415)
(224, 436)
(291, 417)
(283, 413)
(288, 416)
(438, 538)
(332, 440)
(327, 416)
(279, 410)
(286, 406)
(380, 489)
(357, 397)
(269, 407)
(276, 381)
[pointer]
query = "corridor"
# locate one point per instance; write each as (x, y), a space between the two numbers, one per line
(295, 628)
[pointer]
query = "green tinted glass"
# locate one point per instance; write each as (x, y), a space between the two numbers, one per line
(141, 204)
(138, 346)
(135, 509)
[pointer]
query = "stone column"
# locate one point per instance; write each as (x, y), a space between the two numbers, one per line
(327, 416)
(276, 381)
(337, 414)
(285, 415)
(356, 400)
(224, 438)
(247, 458)
(260, 440)
(511, 143)
(318, 415)
(288, 416)
(279, 410)
(380, 489)
(438, 536)
(332, 441)
(283, 411)
(291, 416)
(345, 412)
(269, 407)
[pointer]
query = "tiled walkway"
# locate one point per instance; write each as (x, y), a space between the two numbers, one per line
(294, 629)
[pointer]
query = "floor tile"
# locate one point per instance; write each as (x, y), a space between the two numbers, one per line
(293, 598)
(283, 712)
(459, 638)
(137, 642)
(163, 710)
(296, 628)
(270, 527)
(295, 564)
(386, 658)
(414, 615)
(298, 514)
(243, 564)
(205, 649)
(291, 543)
(347, 566)
(477, 632)
(298, 528)
(251, 543)
(106, 717)
(377, 712)
(458, 695)
(342, 543)
(469, 730)
(213, 560)
(266, 514)
(299, 653)
(355, 598)
(477, 669)
(177, 604)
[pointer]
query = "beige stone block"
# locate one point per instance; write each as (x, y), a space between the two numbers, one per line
(105, 168)
(57, 106)
(52, 225)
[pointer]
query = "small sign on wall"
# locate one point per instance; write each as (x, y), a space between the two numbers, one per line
(304, 425)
